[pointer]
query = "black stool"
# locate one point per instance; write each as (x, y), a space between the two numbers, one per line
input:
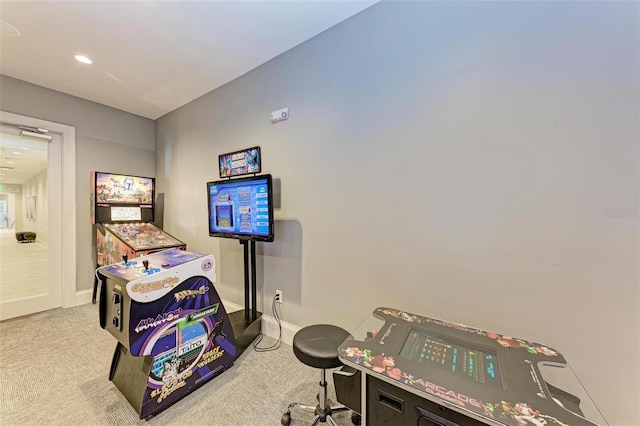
(317, 346)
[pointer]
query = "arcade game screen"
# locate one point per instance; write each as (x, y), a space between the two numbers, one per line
(120, 189)
(479, 365)
(192, 342)
(121, 198)
(241, 208)
(167, 358)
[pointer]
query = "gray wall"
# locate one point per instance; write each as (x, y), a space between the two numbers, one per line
(476, 162)
(107, 140)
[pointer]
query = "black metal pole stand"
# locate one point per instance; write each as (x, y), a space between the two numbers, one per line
(254, 290)
(246, 324)
(245, 246)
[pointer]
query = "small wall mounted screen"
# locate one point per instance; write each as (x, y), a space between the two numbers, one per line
(244, 162)
(241, 208)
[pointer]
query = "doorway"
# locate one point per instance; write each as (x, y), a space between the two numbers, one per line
(45, 206)
(24, 211)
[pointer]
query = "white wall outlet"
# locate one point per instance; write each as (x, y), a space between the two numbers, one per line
(280, 115)
(279, 296)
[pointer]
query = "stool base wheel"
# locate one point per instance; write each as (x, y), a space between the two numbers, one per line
(286, 419)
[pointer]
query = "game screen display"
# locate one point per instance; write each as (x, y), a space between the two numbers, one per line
(241, 208)
(167, 343)
(240, 162)
(479, 365)
(192, 342)
(119, 213)
(112, 188)
(121, 198)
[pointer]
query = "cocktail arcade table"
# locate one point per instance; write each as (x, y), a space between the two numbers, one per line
(407, 369)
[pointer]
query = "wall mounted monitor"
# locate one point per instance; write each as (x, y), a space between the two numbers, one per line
(121, 198)
(241, 208)
(244, 162)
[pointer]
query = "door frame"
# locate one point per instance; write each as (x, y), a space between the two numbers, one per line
(62, 241)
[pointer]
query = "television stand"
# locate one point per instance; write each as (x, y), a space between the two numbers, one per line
(247, 323)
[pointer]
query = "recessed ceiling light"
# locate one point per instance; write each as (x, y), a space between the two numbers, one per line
(83, 59)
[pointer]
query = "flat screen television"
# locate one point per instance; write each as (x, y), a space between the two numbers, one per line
(121, 198)
(241, 208)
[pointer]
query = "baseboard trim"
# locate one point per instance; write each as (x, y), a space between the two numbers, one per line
(270, 328)
(83, 297)
(269, 324)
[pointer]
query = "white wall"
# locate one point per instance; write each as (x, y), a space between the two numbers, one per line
(472, 161)
(13, 195)
(36, 186)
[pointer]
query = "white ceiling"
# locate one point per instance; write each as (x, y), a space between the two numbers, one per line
(21, 158)
(151, 57)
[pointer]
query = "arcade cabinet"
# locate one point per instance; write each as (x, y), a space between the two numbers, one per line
(407, 369)
(172, 330)
(122, 210)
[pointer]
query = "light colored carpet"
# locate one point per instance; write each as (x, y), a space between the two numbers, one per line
(54, 369)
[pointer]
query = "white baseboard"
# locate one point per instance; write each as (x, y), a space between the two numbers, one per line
(83, 297)
(270, 328)
(269, 324)
(231, 307)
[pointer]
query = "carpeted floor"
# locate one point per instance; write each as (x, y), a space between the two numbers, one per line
(54, 370)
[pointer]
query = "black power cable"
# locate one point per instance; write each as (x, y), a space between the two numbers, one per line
(276, 345)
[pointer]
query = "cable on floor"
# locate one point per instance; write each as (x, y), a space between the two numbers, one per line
(276, 345)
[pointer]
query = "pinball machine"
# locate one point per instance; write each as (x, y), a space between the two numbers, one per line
(123, 213)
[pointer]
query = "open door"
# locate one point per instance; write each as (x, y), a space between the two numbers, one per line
(47, 204)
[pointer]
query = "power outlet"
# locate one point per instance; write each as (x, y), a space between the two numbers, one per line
(279, 296)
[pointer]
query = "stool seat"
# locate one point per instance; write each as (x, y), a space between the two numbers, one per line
(317, 345)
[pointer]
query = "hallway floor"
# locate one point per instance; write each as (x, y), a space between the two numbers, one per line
(24, 267)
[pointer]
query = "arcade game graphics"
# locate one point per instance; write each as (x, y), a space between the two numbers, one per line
(172, 329)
